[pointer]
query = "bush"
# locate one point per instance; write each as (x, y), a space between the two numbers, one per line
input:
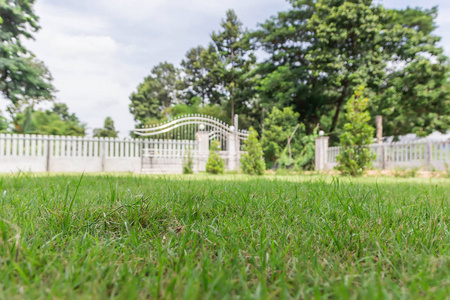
(252, 161)
(188, 162)
(278, 125)
(215, 164)
(355, 156)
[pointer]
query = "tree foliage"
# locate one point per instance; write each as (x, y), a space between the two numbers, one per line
(235, 62)
(201, 76)
(108, 129)
(355, 156)
(215, 163)
(4, 124)
(156, 93)
(56, 121)
(278, 126)
(316, 54)
(252, 161)
(320, 51)
(281, 125)
(23, 78)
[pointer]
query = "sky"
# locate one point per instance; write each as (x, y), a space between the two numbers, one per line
(98, 51)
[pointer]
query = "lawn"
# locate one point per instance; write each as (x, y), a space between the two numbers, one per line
(126, 237)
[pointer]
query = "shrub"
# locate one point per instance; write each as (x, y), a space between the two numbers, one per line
(252, 161)
(188, 162)
(355, 156)
(215, 164)
(278, 125)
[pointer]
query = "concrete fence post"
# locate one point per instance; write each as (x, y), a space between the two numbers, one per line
(49, 154)
(102, 153)
(384, 156)
(202, 138)
(231, 149)
(429, 157)
(321, 150)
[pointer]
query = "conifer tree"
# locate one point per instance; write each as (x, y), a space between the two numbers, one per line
(355, 154)
(252, 161)
(215, 164)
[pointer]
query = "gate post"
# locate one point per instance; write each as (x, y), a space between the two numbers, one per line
(202, 138)
(321, 152)
(231, 149)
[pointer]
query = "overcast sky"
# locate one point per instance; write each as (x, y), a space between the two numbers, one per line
(98, 51)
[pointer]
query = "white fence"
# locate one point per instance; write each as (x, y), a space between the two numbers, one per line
(42, 153)
(427, 155)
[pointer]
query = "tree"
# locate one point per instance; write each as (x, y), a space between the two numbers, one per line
(201, 77)
(215, 163)
(252, 161)
(4, 124)
(236, 61)
(62, 111)
(321, 50)
(108, 129)
(355, 154)
(156, 93)
(284, 79)
(278, 126)
(417, 99)
(47, 122)
(23, 78)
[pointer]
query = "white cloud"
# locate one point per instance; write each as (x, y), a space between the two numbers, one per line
(77, 45)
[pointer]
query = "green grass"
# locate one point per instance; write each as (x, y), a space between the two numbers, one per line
(127, 237)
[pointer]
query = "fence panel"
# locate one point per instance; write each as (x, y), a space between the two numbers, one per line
(427, 155)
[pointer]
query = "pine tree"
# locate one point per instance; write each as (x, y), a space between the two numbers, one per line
(235, 61)
(108, 129)
(355, 156)
(215, 164)
(252, 161)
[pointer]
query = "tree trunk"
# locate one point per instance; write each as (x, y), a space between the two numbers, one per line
(232, 106)
(338, 107)
(232, 89)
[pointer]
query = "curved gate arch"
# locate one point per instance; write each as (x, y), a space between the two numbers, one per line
(166, 144)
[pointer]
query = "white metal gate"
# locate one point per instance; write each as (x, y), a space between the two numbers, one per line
(167, 144)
